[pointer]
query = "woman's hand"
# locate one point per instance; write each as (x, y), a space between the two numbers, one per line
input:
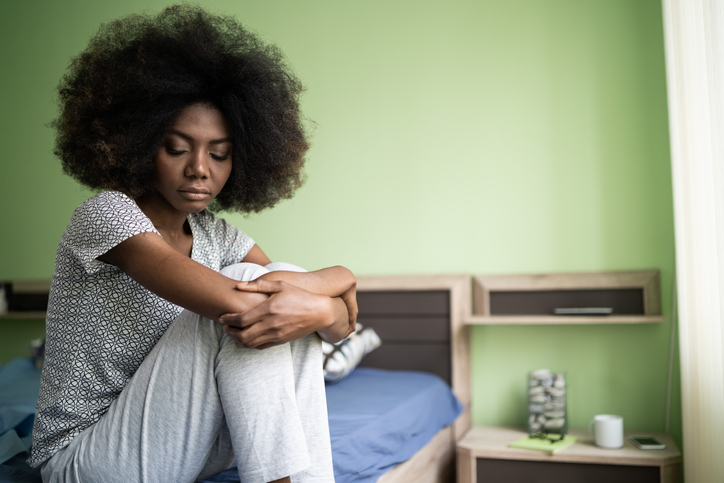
(288, 314)
(336, 282)
(350, 301)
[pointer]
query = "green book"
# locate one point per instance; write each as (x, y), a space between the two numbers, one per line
(545, 445)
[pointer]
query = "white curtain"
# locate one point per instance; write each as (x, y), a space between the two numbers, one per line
(694, 39)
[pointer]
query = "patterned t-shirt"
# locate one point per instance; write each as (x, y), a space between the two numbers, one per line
(101, 323)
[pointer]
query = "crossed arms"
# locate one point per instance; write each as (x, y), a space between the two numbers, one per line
(276, 308)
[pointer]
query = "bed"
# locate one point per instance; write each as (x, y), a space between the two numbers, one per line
(425, 351)
(420, 321)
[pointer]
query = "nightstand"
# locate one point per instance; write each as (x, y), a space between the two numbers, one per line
(483, 456)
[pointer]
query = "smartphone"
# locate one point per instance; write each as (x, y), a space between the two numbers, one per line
(647, 442)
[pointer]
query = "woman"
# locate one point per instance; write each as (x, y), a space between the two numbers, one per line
(170, 115)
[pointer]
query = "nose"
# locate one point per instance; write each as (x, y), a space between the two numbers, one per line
(197, 166)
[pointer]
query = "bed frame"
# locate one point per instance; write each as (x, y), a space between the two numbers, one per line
(420, 321)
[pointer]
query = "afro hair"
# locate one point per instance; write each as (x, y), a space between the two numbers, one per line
(122, 94)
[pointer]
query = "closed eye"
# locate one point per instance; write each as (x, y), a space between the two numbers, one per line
(219, 157)
(175, 152)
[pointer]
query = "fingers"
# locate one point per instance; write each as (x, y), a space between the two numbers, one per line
(255, 337)
(287, 314)
(255, 314)
(261, 285)
(242, 321)
(234, 320)
(350, 300)
(239, 337)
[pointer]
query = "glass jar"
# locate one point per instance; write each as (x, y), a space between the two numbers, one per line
(547, 402)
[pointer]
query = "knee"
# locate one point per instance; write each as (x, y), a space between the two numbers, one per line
(283, 267)
(244, 271)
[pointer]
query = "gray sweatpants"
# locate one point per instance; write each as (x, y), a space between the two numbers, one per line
(197, 402)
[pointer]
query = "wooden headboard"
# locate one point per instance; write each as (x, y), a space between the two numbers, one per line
(420, 321)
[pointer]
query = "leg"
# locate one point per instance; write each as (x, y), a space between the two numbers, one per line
(308, 362)
(169, 423)
(164, 423)
(309, 396)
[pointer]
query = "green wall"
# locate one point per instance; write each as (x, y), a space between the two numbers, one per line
(477, 136)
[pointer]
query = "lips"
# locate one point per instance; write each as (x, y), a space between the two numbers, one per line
(194, 193)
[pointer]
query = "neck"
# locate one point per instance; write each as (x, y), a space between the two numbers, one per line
(163, 216)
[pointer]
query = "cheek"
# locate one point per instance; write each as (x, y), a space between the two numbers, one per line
(164, 170)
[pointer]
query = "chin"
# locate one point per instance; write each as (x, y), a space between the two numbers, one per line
(192, 206)
(197, 208)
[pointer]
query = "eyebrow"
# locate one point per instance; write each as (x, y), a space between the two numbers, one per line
(190, 138)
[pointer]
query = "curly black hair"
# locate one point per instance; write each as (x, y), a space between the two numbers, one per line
(123, 94)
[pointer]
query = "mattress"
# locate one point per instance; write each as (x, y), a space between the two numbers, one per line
(19, 385)
(379, 419)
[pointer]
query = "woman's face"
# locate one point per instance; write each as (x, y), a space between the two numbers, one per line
(194, 161)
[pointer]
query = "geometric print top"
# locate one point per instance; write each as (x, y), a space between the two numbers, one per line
(101, 323)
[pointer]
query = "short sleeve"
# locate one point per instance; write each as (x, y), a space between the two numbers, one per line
(217, 243)
(101, 223)
(237, 242)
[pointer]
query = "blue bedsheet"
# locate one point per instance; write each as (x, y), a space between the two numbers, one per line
(19, 385)
(377, 420)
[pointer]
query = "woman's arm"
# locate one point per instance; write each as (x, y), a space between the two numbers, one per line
(332, 281)
(254, 328)
(150, 261)
(336, 282)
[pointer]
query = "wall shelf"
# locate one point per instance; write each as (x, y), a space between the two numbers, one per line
(633, 297)
(24, 299)
(560, 320)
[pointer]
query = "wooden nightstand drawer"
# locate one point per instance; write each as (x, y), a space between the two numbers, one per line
(483, 456)
(518, 471)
